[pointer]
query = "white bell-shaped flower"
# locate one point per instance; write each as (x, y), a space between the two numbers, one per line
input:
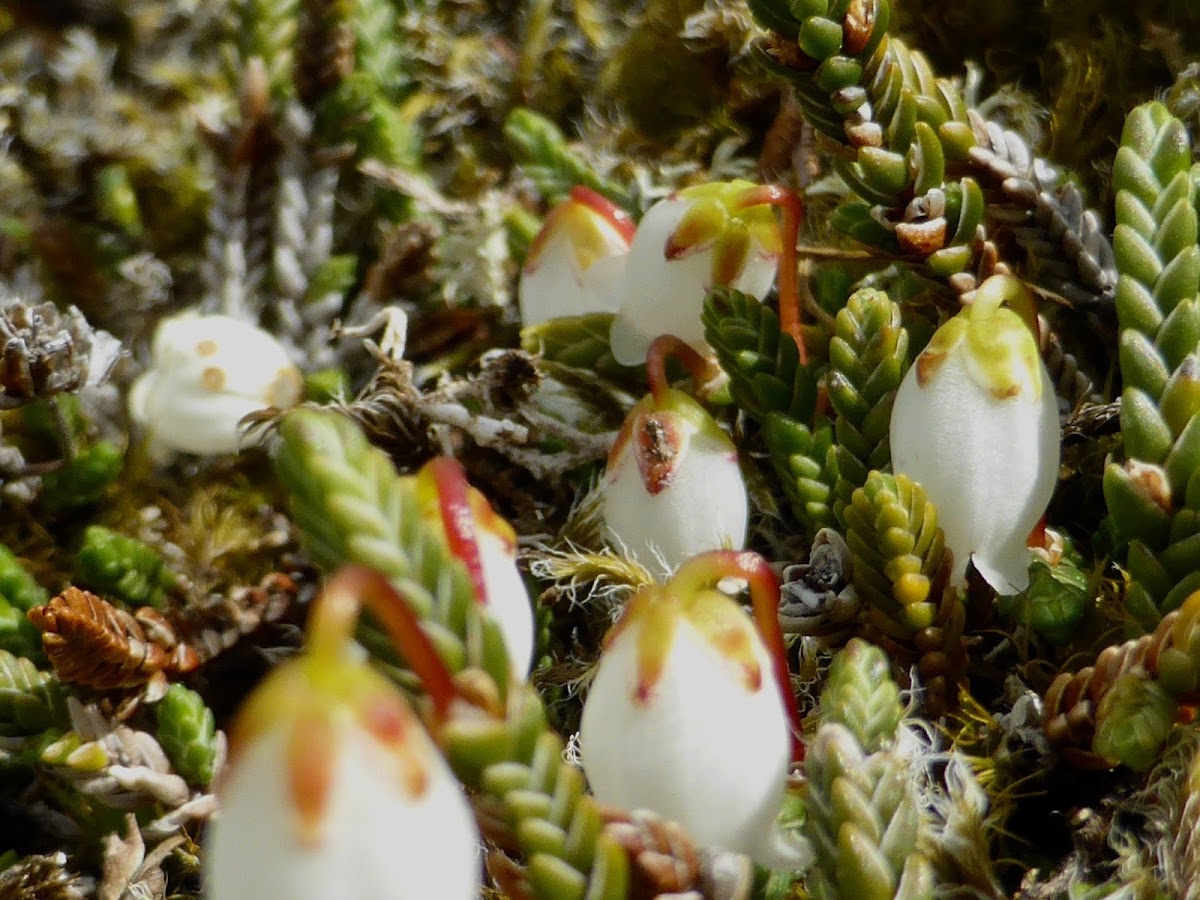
(335, 790)
(672, 488)
(975, 423)
(487, 545)
(722, 233)
(686, 716)
(207, 372)
(576, 259)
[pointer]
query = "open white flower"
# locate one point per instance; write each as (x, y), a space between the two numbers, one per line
(487, 545)
(335, 790)
(673, 487)
(975, 423)
(576, 259)
(688, 714)
(722, 233)
(207, 372)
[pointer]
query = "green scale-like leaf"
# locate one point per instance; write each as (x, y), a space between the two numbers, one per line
(1133, 721)
(123, 567)
(897, 548)
(266, 30)
(351, 506)
(762, 362)
(864, 815)
(83, 480)
(188, 734)
(868, 357)
(769, 384)
(1154, 498)
(803, 460)
(31, 701)
(860, 694)
(557, 825)
(540, 148)
(19, 593)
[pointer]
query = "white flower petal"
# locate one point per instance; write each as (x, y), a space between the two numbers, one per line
(602, 283)
(666, 296)
(555, 287)
(508, 601)
(246, 356)
(703, 508)
(704, 750)
(989, 465)
(207, 373)
(575, 240)
(758, 274)
(628, 342)
(192, 422)
(378, 843)
(659, 296)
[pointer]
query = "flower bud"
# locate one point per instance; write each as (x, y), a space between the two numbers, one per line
(673, 488)
(487, 545)
(975, 423)
(334, 790)
(207, 373)
(575, 259)
(685, 717)
(701, 237)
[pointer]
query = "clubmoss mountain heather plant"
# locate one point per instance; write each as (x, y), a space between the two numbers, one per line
(290, 287)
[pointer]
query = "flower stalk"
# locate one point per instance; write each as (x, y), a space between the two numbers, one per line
(791, 208)
(667, 346)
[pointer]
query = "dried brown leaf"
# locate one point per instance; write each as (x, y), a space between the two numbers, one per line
(91, 642)
(129, 872)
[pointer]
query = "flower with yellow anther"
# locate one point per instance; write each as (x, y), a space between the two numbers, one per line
(691, 712)
(975, 423)
(575, 260)
(718, 234)
(487, 545)
(334, 789)
(206, 374)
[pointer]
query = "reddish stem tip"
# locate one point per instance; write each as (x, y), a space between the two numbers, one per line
(454, 504)
(792, 208)
(666, 346)
(367, 587)
(609, 211)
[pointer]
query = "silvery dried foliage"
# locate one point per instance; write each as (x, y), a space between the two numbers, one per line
(44, 352)
(43, 878)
